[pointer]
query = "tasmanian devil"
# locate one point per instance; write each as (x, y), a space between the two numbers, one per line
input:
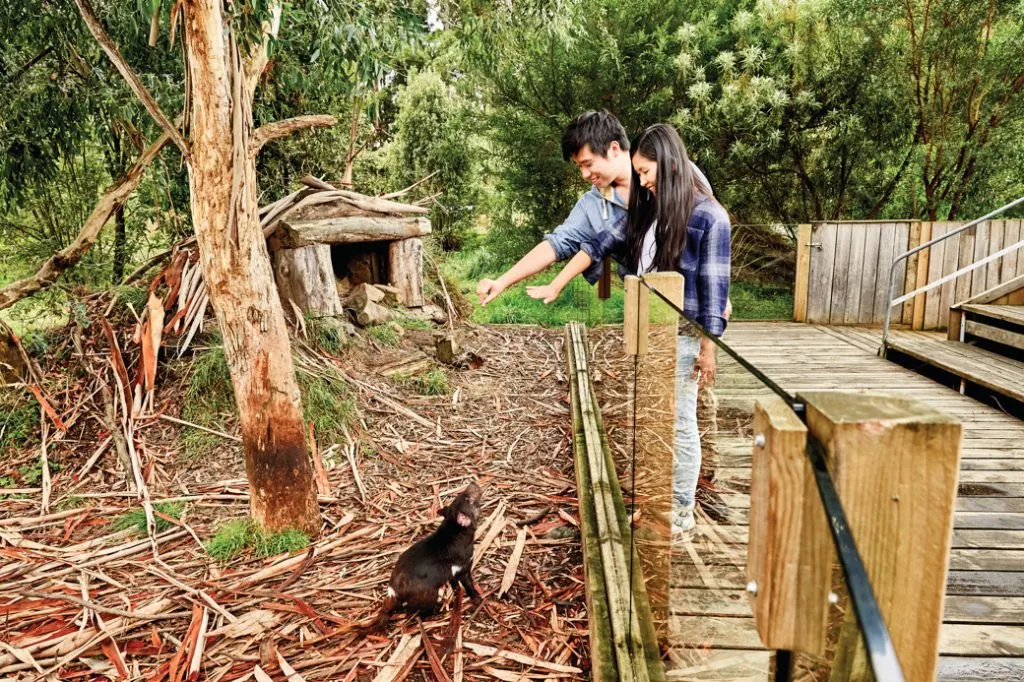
(444, 556)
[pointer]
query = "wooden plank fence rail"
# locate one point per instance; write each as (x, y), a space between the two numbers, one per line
(843, 269)
(623, 639)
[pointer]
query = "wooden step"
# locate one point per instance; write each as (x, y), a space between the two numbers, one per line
(978, 366)
(996, 334)
(1013, 314)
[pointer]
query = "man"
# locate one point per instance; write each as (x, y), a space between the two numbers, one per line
(597, 143)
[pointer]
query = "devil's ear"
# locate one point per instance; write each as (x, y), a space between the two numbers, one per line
(463, 520)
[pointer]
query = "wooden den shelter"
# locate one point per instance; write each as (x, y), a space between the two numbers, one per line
(325, 242)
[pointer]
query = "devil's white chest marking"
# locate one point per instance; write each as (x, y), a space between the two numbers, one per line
(455, 569)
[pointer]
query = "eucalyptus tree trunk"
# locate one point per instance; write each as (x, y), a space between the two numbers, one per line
(237, 270)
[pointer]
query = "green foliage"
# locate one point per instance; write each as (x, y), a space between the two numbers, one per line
(432, 140)
(434, 382)
(236, 535)
(136, 518)
(384, 334)
(416, 323)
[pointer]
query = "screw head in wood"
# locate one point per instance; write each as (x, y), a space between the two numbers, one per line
(759, 440)
(752, 587)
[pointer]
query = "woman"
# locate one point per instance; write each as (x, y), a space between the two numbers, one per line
(674, 224)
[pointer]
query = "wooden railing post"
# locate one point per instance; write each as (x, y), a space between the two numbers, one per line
(789, 558)
(895, 462)
(651, 330)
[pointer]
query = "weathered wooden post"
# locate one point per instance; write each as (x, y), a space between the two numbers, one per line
(894, 462)
(651, 330)
(789, 557)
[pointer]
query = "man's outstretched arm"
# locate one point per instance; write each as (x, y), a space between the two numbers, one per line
(540, 257)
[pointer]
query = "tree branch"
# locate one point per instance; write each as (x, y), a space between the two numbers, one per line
(112, 199)
(108, 45)
(272, 131)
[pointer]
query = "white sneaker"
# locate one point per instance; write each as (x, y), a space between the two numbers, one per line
(682, 522)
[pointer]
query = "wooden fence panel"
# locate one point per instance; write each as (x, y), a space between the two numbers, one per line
(900, 245)
(980, 251)
(822, 263)
(843, 269)
(851, 315)
(841, 284)
(935, 264)
(869, 280)
(886, 245)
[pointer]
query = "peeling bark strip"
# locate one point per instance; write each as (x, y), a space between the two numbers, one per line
(108, 45)
(238, 276)
(114, 198)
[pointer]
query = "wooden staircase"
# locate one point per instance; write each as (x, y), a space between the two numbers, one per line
(984, 347)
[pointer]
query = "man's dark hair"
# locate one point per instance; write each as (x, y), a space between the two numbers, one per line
(597, 129)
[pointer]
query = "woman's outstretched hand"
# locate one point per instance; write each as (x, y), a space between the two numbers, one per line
(547, 293)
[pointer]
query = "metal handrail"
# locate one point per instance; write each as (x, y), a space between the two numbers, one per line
(928, 287)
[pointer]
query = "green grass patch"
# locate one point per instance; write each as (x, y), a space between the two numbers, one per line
(434, 382)
(19, 418)
(414, 323)
(325, 334)
(579, 301)
(209, 401)
(753, 301)
(384, 334)
(136, 518)
(328, 404)
(237, 535)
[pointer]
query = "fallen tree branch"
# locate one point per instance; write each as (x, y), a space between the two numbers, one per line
(114, 53)
(272, 131)
(112, 199)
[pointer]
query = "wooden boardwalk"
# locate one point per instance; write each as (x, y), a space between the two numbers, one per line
(982, 636)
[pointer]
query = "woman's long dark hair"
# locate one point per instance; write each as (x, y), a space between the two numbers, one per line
(678, 190)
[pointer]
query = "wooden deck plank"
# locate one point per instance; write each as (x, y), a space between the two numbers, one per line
(984, 610)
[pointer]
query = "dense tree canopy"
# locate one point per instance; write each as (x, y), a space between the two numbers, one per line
(796, 109)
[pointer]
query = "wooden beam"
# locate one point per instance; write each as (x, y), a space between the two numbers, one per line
(803, 271)
(349, 229)
(895, 463)
(789, 555)
(305, 276)
(597, 481)
(405, 270)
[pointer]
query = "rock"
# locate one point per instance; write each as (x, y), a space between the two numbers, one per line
(562, 532)
(370, 313)
(468, 360)
(421, 339)
(392, 295)
(362, 294)
(447, 348)
(12, 366)
(344, 287)
(435, 313)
